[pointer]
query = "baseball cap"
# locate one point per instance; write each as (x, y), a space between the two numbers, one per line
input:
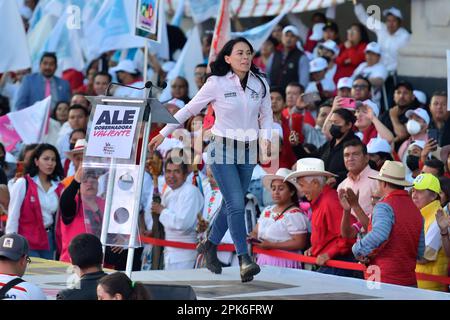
(376, 145)
(331, 25)
(427, 181)
(393, 11)
(292, 29)
(317, 64)
(125, 66)
(373, 106)
(422, 113)
(417, 143)
(345, 82)
(317, 32)
(420, 96)
(13, 246)
(330, 45)
(373, 47)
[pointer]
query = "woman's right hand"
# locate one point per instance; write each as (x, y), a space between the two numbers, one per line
(79, 174)
(156, 141)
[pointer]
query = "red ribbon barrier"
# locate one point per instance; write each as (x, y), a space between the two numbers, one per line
(287, 255)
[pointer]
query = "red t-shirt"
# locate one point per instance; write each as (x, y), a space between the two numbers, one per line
(326, 225)
(355, 54)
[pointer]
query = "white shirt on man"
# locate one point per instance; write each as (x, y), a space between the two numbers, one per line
(327, 85)
(22, 291)
(390, 43)
(377, 70)
(179, 219)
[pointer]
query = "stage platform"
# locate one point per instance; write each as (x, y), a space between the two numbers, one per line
(271, 284)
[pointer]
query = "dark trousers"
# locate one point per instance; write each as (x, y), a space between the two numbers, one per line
(342, 272)
(118, 261)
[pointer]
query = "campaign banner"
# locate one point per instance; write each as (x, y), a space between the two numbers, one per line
(147, 16)
(112, 131)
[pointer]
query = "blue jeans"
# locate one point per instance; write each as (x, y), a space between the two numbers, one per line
(46, 254)
(232, 166)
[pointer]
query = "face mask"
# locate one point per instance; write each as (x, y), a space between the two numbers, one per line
(413, 127)
(412, 162)
(335, 131)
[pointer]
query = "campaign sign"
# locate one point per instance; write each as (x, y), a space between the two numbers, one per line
(148, 19)
(112, 131)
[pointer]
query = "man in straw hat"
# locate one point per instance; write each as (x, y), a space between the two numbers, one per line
(76, 156)
(396, 238)
(326, 240)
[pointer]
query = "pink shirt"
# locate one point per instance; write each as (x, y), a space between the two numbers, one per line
(239, 114)
(364, 186)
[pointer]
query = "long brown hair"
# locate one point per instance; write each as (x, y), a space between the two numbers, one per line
(119, 282)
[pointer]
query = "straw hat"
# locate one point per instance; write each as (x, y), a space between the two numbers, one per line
(392, 172)
(307, 167)
(79, 147)
(281, 174)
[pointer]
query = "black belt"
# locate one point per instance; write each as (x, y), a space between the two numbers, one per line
(233, 142)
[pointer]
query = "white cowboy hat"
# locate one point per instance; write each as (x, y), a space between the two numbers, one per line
(281, 174)
(392, 172)
(80, 145)
(307, 167)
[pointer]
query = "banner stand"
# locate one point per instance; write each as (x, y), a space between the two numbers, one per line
(117, 128)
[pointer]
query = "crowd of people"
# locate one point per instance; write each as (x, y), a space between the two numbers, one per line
(362, 172)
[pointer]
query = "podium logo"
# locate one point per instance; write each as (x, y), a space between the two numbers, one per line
(108, 148)
(114, 124)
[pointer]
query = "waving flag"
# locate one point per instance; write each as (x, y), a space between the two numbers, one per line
(190, 57)
(178, 16)
(112, 29)
(202, 10)
(222, 30)
(261, 33)
(14, 51)
(28, 125)
(66, 43)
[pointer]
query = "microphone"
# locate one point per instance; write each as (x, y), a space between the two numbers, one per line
(148, 85)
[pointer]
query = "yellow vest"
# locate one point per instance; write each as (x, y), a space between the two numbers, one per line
(438, 267)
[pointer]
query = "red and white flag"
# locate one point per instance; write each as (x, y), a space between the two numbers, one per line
(222, 31)
(29, 125)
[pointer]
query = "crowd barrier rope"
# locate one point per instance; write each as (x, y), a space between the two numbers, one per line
(287, 255)
(281, 254)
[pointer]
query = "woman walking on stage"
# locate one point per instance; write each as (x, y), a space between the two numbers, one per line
(241, 101)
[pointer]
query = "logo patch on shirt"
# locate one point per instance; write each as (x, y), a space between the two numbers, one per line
(254, 95)
(230, 94)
